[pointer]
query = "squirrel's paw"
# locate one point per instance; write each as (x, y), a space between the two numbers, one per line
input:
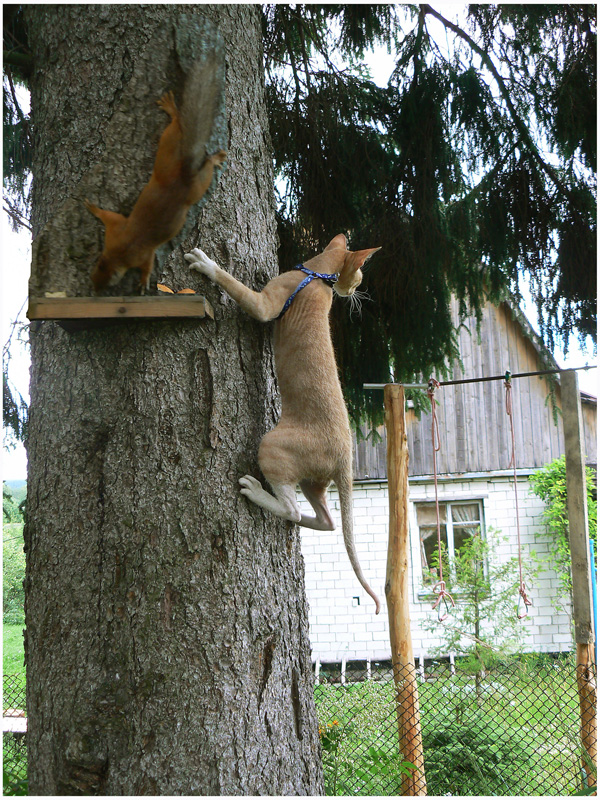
(91, 207)
(218, 157)
(167, 104)
(201, 263)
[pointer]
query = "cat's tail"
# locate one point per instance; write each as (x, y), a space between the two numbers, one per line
(344, 486)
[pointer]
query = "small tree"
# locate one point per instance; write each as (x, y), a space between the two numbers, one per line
(550, 484)
(484, 622)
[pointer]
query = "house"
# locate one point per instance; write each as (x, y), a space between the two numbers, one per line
(475, 488)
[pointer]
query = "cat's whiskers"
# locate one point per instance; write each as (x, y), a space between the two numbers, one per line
(356, 301)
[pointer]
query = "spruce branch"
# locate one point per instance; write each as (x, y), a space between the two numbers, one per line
(16, 104)
(22, 61)
(18, 220)
(519, 123)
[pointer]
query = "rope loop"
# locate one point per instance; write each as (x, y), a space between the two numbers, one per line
(432, 385)
(523, 603)
(444, 597)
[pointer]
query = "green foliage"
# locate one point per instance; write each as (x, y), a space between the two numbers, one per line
(14, 412)
(373, 771)
(483, 623)
(475, 758)
(17, 160)
(13, 563)
(17, 129)
(14, 771)
(359, 745)
(13, 574)
(18, 489)
(10, 510)
(550, 484)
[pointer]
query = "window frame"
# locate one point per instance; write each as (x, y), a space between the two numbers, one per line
(423, 592)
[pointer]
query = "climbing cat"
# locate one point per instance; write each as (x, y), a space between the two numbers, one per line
(312, 444)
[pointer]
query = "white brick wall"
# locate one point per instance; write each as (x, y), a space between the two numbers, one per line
(340, 627)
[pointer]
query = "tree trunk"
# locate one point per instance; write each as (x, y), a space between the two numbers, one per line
(167, 635)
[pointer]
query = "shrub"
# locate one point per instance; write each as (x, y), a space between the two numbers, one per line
(474, 758)
(550, 484)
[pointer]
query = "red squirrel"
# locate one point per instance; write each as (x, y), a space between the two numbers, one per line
(182, 174)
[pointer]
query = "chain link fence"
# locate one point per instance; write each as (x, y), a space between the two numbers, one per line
(13, 693)
(14, 742)
(514, 730)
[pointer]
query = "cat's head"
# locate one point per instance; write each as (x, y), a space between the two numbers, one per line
(349, 265)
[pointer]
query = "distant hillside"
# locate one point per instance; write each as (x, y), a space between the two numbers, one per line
(18, 489)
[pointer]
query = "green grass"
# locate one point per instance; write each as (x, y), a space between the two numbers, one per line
(13, 650)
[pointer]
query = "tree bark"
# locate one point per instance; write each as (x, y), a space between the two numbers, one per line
(167, 631)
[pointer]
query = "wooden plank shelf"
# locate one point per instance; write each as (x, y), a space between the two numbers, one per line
(76, 313)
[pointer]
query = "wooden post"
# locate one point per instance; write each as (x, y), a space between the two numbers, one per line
(580, 566)
(397, 593)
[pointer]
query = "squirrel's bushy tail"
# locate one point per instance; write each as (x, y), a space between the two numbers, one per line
(344, 486)
(202, 94)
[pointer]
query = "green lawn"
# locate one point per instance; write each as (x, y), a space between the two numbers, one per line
(13, 650)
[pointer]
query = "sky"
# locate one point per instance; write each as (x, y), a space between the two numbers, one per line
(16, 257)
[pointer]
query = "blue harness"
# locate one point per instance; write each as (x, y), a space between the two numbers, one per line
(329, 279)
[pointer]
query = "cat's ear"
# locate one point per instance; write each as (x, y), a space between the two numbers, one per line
(358, 257)
(338, 241)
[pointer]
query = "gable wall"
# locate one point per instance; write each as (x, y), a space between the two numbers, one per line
(474, 427)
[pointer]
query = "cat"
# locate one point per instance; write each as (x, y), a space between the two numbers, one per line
(312, 444)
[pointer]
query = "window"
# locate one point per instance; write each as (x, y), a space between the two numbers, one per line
(458, 523)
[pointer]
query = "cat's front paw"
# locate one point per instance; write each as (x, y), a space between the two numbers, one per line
(199, 261)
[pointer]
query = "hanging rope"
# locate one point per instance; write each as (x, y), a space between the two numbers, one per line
(444, 598)
(524, 602)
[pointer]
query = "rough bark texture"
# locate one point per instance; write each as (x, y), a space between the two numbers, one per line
(167, 637)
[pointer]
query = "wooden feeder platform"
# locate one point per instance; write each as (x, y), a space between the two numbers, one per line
(81, 313)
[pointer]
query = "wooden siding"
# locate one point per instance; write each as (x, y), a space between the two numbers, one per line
(474, 427)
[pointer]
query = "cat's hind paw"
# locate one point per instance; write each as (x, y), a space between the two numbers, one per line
(199, 261)
(251, 488)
